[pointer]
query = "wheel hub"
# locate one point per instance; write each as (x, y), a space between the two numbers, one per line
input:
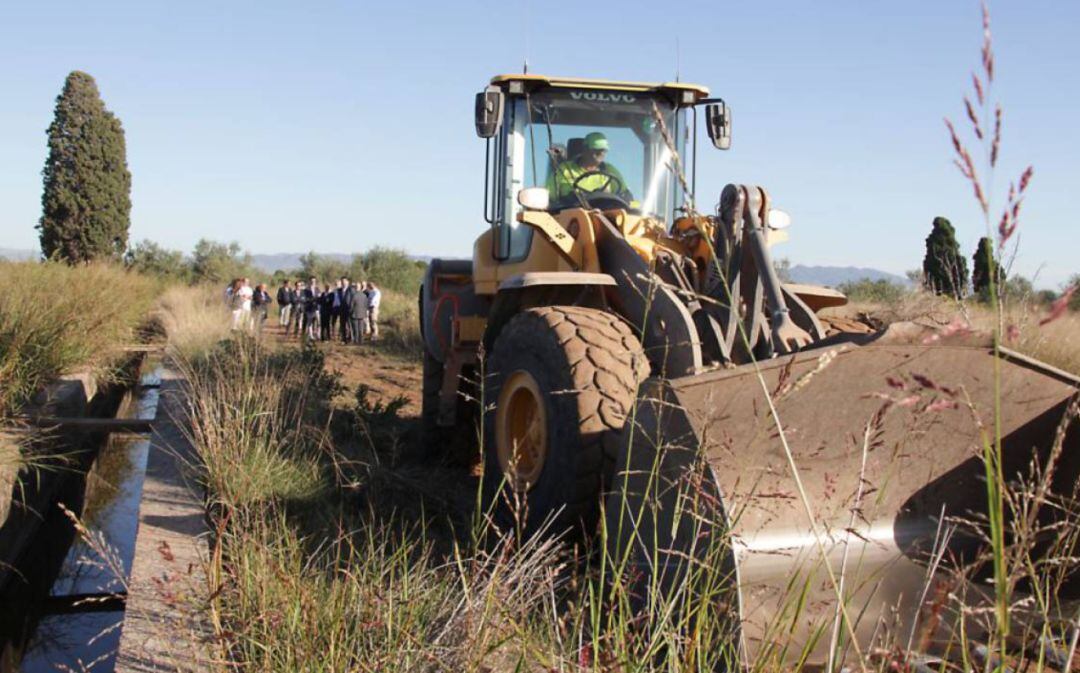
(521, 431)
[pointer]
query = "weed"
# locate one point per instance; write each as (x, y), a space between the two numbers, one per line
(378, 422)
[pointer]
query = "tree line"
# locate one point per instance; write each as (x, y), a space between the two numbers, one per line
(945, 270)
(216, 262)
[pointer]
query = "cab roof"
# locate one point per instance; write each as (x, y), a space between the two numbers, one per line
(681, 92)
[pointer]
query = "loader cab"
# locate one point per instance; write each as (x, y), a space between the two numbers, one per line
(534, 124)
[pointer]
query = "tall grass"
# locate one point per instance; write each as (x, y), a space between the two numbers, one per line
(55, 317)
(399, 326)
(256, 419)
(1015, 508)
(194, 318)
(313, 575)
(1056, 343)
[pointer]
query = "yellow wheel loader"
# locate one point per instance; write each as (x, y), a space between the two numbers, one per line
(611, 343)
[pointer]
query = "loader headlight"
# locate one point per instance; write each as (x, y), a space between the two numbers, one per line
(777, 219)
(534, 198)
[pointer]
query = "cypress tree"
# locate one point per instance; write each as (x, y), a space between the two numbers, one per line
(86, 205)
(944, 268)
(984, 268)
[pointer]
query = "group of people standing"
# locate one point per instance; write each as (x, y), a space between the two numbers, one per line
(349, 310)
(249, 306)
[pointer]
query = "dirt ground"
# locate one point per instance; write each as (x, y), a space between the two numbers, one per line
(402, 477)
(389, 375)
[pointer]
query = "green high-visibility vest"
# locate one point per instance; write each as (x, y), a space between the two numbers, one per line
(560, 182)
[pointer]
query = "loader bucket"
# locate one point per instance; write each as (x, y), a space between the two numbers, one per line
(886, 433)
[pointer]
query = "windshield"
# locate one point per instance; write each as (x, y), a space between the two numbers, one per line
(605, 147)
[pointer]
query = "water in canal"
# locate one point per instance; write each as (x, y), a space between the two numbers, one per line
(67, 612)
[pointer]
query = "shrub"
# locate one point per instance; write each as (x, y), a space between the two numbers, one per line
(1017, 288)
(322, 267)
(877, 291)
(944, 268)
(213, 262)
(390, 269)
(151, 259)
(984, 267)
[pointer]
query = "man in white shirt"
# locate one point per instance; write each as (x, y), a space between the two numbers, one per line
(246, 293)
(373, 299)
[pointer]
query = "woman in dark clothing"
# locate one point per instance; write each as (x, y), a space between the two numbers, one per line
(260, 304)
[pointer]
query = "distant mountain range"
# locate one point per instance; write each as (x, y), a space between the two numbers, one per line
(17, 255)
(291, 260)
(834, 276)
(831, 276)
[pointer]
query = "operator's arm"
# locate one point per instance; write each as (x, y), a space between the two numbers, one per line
(559, 181)
(625, 191)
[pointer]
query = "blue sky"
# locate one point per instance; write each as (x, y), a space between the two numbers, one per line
(339, 126)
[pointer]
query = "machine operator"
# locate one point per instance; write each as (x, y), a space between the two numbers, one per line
(605, 177)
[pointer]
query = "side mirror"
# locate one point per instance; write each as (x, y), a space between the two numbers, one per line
(718, 121)
(489, 112)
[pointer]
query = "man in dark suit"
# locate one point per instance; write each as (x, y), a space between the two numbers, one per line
(357, 311)
(346, 294)
(310, 299)
(326, 313)
(285, 300)
(296, 315)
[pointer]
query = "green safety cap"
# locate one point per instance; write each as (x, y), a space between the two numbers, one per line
(596, 141)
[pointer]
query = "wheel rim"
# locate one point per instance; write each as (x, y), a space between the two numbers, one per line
(521, 431)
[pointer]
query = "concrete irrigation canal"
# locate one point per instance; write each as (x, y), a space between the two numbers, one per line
(95, 551)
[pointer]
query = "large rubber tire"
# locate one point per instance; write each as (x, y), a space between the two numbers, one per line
(432, 436)
(587, 365)
(456, 444)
